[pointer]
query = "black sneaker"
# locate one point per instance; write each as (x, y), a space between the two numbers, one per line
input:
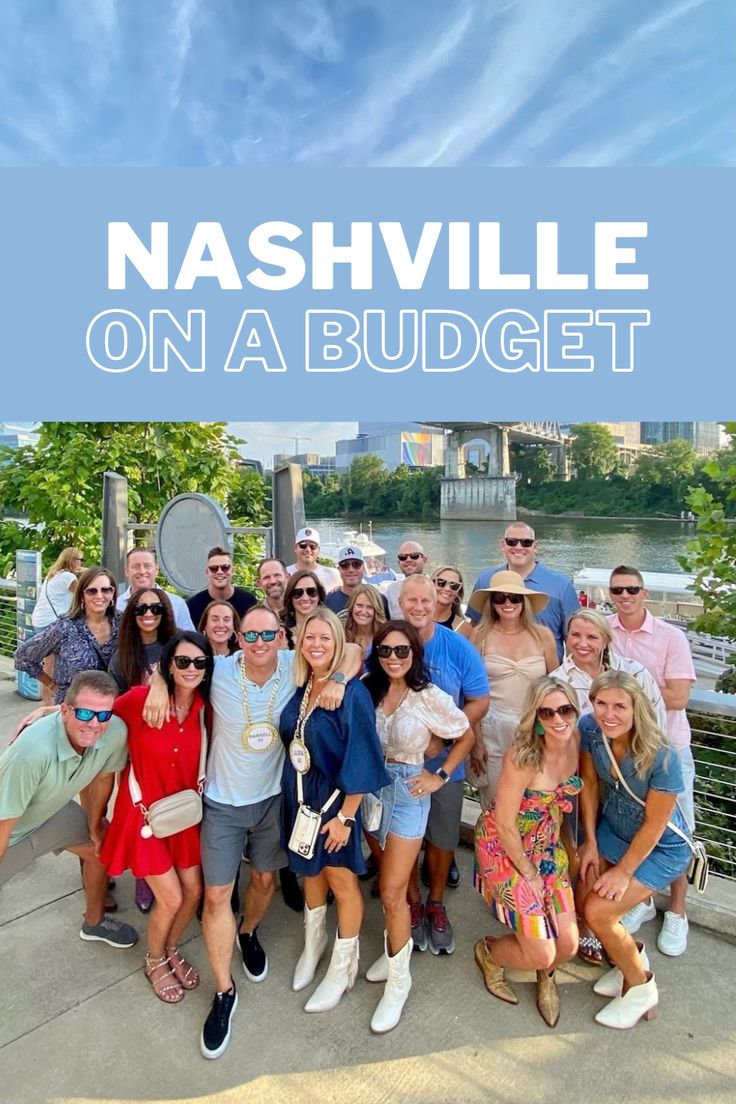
(216, 1031)
(255, 962)
(453, 875)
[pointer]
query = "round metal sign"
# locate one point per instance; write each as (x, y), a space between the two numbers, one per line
(189, 526)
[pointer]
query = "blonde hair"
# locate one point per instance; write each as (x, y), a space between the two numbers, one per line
(600, 624)
(528, 745)
(490, 618)
(302, 670)
(373, 596)
(63, 562)
(646, 737)
(458, 595)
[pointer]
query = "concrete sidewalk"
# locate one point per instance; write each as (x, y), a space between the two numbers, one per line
(80, 1023)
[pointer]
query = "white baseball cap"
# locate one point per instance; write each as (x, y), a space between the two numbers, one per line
(350, 552)
(307, 535)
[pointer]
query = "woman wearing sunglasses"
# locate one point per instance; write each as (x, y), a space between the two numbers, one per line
(632, 849)
(84, 640)
(516, 651)
(521, 864)
(165, 761)
(221, 625)
(364, 615)
(304, 592)
(332, 759)
(409, 711)
(448, 586)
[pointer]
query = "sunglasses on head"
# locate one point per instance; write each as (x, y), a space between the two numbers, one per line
(401, 651)
(617, 590)
(304, 545)
(141, 610)
(525, 542)
(409, 556)
(546, 712)
(351, 563)
(102, 715)
(442, 583)
(219, 569)
(499, 597)
(94, 591)
(182, 662)
(311, 592)
(266, 635)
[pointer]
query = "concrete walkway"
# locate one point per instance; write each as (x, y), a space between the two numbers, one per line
(79, 1022)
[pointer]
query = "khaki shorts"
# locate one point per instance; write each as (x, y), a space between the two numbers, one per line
(67, 828)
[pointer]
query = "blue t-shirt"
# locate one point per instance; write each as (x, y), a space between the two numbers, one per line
(456, 667)
(561, 593)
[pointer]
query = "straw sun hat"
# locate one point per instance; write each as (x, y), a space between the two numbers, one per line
(508, 582)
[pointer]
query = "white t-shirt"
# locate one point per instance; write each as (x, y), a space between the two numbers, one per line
(236, 774)
(54, 599)
(328, 576)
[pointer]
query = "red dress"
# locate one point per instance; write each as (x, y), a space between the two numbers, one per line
(166, 760)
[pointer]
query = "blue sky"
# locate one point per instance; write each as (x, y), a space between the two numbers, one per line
(367, 82)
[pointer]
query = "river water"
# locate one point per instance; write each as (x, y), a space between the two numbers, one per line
(565, 544)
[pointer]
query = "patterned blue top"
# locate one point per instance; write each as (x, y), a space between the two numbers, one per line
(75, 649)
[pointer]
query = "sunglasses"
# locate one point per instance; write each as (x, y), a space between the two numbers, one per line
(409, 556)
(266, 635)
(183, 662)
(311, 592)
(219, 569)
(350, 563)
(401, 651)
(546, 713)
(442, 583)
(156, 609)
(304, 545)
(94, 591)
(617, 590)
(102, 715)
(525, 542)
(499, 598)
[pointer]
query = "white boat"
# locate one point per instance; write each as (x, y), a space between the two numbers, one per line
(376, 570)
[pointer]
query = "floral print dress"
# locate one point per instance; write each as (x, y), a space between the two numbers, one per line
(508, 894)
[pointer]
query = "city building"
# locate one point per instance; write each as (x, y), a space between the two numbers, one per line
(307, 461)
(396, 443)
(705, 437)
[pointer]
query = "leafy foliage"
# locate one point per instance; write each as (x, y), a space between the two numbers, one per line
(593, 452)
(533, 463)
(368, 490)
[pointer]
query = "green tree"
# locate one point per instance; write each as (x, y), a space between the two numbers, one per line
(249, 500)
(57, 484)
(533, 463)
(362, 484)
(593, 451)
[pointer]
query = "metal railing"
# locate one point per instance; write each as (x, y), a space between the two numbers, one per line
(250, 544)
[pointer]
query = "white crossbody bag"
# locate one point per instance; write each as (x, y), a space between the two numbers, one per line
(178, 811)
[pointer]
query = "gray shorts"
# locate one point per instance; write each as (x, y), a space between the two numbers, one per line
(445, 814)
(228, 829)
(67, 828)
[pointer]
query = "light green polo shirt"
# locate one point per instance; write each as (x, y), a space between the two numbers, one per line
(41, 771)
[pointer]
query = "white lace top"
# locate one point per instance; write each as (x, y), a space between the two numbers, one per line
(405, 734)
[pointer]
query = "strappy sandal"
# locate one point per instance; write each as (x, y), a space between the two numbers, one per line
(169, 993)
(186, 974)
(591, 951)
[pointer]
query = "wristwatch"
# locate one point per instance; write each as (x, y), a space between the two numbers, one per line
(338, 677)
(346, 821)
(442, 774)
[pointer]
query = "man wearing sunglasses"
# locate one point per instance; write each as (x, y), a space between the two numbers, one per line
(351, 565)
(75, 749)
(242, 798)
(220, 587)
(306, 552)
(519, 547)
(663, 649)
(141, 571)
(412, 561)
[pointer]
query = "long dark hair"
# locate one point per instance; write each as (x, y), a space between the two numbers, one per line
(417, 677)
(169, 651)
(288, 617)
(134, 669)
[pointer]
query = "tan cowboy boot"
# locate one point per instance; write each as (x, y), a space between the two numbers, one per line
(548, 1001)
(493, 974)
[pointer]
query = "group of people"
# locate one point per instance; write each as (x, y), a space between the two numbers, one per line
(336, 721)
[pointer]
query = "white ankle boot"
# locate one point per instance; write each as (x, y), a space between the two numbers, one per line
(315, 944)
(398, 985)
(611, 983)
(637, 1003)
(340, 976)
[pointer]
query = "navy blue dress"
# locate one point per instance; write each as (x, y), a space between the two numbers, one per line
(345, 755)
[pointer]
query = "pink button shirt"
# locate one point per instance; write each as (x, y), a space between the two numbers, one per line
(665, 651)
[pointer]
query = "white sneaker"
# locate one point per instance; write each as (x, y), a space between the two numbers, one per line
(638, 915)
(672, 939)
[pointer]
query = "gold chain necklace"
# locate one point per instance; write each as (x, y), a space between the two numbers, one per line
(259, 735)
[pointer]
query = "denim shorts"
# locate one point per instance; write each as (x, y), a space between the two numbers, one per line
(403, 815)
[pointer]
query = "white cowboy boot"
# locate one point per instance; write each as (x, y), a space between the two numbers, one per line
(315, 944)
(340, 976)
(379, 970)
(637, 1003)
(398, 985)
(611, 983)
